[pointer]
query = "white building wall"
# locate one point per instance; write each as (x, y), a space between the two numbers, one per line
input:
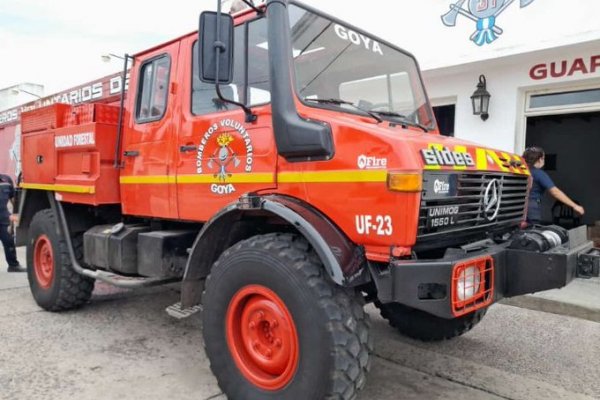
(416, 26)
(508, 81)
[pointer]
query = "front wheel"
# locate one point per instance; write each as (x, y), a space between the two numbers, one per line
(275, 327)
(423, 326)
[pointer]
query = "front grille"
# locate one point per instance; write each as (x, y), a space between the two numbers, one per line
(467, 191)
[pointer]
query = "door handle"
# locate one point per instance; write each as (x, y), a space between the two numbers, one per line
(186, 148)
(131, 153)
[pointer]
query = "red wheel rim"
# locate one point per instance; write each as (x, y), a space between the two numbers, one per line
(43, 262)
(262, 338)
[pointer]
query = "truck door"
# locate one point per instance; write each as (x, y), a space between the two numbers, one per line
(221, 156)
(148, 177)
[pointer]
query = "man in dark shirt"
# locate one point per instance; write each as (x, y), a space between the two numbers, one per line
(7, 193)
(535, 158)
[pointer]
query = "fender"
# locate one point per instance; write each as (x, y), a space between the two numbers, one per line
(344, 261)
(30, 202)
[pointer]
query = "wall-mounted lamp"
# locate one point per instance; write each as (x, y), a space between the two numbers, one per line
(481, 99)
(17, 91)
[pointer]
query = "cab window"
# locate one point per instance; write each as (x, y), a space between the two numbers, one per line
(153, 89)
(204, 95)
(258, 63)
(250, 84)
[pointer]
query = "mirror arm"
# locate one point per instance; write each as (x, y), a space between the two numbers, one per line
(250, 116)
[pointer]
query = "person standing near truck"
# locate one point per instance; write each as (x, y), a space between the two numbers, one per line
(7, 193)
(535, 158)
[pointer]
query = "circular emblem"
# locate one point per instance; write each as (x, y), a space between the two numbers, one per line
(491, 201)
(225, 149)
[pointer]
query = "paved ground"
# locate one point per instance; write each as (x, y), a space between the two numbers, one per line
(124, 346)
(580, 298)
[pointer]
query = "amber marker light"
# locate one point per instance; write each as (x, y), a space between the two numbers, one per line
(405, 181)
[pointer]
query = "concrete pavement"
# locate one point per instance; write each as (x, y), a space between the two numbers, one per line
(580, 299)
(123, 345)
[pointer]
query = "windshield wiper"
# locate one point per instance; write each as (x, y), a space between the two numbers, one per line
(349, 103)
(403, 119)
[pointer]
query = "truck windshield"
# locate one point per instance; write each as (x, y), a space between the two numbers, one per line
(334, 61)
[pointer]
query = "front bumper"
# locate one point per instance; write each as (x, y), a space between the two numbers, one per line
(427, 285)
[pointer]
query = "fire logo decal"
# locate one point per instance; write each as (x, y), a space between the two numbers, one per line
(484, 14)
(225, 149)
(223, 156)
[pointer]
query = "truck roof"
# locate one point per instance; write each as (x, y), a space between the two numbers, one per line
(238, 17)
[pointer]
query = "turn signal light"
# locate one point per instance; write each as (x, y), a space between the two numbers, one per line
(405, 181)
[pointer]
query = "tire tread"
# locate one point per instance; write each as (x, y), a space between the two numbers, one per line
(74, 289)
(348, 323)
(426, 327)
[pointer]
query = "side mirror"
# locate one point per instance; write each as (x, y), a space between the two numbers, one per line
(211, 41)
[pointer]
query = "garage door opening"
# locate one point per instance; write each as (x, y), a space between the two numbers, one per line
(572, 145)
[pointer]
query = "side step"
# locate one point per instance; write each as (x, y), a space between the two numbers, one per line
(128, 282)
(176, 311)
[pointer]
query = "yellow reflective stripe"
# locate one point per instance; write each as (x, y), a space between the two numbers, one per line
(60, 188)
(284, 177)
(332, 176)
(482, 163)
(523, 168)
(146, 180)
(507, 157)
(234, 178)
(498, 161)
(437, 147)
(460, 149)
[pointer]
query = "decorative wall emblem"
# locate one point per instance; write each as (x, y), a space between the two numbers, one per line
(484, 14)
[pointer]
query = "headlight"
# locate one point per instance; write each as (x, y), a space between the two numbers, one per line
(468, 283)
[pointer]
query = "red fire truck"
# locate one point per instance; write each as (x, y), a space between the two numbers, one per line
(287, 169)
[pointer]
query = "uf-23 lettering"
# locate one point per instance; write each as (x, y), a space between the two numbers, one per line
(380, 225)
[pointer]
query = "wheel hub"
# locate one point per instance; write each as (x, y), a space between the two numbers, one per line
(262, 337)
(43, 261)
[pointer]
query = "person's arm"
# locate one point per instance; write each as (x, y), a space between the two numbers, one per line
(563, 198)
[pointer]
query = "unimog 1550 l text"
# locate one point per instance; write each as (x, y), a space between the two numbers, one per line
(287, 169)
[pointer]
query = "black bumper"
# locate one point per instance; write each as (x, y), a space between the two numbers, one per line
(426, 285)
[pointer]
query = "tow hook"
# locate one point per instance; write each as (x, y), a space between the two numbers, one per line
(588, 264)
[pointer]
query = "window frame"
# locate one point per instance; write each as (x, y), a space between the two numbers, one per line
(561, 107)
(140, 84)
(330, 107)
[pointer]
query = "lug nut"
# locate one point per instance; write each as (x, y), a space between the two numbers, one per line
(252, 325)
(278, 342)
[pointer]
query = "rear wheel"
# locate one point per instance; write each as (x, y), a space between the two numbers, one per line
(423, 326)
(53, 282)
(275, 327)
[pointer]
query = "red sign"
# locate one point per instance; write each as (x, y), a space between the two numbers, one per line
(559, 69)
(102, 90)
